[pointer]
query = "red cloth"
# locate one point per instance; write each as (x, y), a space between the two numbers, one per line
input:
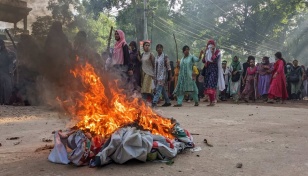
(211, 93)
(211, 42)
(278, 87)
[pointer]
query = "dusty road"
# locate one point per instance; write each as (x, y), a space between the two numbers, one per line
(267, 140)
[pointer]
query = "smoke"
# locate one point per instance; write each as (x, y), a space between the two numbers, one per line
(45, 71)
(39, 8)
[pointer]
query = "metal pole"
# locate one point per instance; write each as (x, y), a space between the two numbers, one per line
(145, 35)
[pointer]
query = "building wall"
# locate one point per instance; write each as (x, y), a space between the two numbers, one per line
(38, 9)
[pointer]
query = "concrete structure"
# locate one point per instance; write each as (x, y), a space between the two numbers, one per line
(13, 11)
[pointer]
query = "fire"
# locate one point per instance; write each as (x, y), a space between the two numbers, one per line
(103, 115)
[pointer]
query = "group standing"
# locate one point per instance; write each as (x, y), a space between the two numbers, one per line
(151, 75)
(155, 78)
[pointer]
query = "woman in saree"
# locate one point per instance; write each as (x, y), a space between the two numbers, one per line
(264, 71)
(235, 80)
(185, 82)
(278, 85)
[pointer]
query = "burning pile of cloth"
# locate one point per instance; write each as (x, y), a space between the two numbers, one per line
(128, 143)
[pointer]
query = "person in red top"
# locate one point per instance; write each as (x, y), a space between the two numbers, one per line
(278, 87)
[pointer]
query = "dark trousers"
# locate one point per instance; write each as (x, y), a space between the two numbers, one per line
(224, 95)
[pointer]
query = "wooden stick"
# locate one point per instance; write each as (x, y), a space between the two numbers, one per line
(109, 41)
(176, 47)
(8, 33)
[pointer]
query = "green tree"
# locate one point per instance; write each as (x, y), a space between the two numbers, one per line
(74, 17)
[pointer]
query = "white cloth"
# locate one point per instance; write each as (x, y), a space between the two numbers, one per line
(209, 54)
(221, 80)
(58, 154)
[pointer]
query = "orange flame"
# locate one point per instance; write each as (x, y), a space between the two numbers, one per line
(103, 115)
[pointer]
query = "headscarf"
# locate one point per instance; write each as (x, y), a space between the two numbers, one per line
(235, 64)
(208, 54)
(279, 56)
(133, 54)
(118, 54)
(266, 59)
(133, 43)
(80, 39)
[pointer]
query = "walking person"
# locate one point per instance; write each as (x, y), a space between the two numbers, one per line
(264, 71)
(185, 82)
(227, 74)
(134, 66)
(245, 66)
(236, 70)
(296, 78)
(288, 70)
(278, 84)
(162, 75)
(148, 65)
(213, 72)
(250, 80)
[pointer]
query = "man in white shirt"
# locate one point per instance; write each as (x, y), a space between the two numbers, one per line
(226, 73)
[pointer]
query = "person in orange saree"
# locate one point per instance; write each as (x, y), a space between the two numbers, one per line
(278, 87)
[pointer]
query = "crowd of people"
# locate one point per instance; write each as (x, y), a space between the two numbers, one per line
(156, 78)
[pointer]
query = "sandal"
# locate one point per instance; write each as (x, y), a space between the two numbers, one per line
(211, 104)
(177, 105)
(197, 104)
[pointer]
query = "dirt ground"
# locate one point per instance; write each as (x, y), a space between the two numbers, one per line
(267, 140)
